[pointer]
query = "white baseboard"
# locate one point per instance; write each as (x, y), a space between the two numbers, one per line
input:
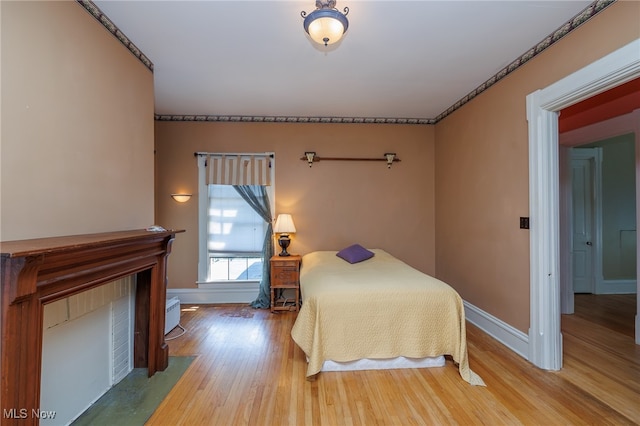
(512, 338)
(216, 293)
(617, 287)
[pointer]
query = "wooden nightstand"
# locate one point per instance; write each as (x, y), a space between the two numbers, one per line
(285, 273)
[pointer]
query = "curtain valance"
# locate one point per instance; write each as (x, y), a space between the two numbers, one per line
(238, 169)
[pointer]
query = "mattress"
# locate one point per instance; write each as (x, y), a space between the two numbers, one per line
(377, 309)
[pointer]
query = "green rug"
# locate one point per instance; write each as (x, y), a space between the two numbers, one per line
(132, 401)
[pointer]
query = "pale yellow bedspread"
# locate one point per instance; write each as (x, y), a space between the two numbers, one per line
(380, 308)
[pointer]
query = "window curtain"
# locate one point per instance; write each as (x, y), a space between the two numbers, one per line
(237, 169)
(256, 196)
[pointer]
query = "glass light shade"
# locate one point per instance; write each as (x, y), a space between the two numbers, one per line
(326, 30)
(326, 26)
(181, 198)
(284, 224)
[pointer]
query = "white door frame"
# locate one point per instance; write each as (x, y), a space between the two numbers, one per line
(618, 67)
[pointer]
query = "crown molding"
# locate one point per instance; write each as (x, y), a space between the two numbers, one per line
(582, 17)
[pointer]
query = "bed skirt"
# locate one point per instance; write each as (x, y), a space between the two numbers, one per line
(383, 364)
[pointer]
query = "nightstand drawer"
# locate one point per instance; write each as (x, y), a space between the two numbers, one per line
(286, 276)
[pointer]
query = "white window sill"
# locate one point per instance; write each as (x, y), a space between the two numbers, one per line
(235, 283)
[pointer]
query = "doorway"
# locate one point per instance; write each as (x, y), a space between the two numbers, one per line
(600, 167)
(620, 66)
(585, 163)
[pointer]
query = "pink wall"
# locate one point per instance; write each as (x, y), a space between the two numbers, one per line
(482, 171)
(333, 204)
(77, 127)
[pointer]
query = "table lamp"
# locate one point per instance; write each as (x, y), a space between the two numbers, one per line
(284, 227)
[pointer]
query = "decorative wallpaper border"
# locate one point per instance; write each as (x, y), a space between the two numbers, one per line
(582, 17)
(286, 119)
(566, 28)
(113, 29)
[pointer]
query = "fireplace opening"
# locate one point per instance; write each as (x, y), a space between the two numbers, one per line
(87, 347)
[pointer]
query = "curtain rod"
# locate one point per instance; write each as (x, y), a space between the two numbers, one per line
(202, 154)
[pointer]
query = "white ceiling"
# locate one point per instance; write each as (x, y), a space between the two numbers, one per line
(399, 59)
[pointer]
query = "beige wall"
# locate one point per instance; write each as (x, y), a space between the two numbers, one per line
(482, 175)
(77, 125)
(77, 157)
(334, 203)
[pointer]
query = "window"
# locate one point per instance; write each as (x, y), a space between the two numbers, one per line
(231, 233)
(235, 236)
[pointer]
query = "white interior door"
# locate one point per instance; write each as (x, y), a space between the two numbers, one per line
(582, 178)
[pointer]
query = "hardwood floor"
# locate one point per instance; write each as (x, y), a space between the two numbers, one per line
(248, 371)
(613, 311)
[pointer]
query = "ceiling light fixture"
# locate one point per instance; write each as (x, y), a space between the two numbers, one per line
(326, 24)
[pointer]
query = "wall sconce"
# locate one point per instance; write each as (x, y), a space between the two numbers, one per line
(310, 156)
(181, 198)
(390, 157)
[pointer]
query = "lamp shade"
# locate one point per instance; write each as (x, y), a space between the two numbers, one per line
(326, 29)
(181, 198)
(284, 224)
(326, 24)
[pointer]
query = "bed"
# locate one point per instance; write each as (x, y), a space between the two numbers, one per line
(377, 309)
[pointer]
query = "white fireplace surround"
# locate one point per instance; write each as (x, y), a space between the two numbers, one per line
(87, 348)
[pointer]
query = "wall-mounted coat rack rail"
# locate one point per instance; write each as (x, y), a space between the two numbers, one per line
(312, 157)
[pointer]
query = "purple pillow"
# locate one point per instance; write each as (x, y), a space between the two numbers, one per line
(355, 253)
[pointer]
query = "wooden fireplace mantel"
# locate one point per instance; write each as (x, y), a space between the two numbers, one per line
(40, 271)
